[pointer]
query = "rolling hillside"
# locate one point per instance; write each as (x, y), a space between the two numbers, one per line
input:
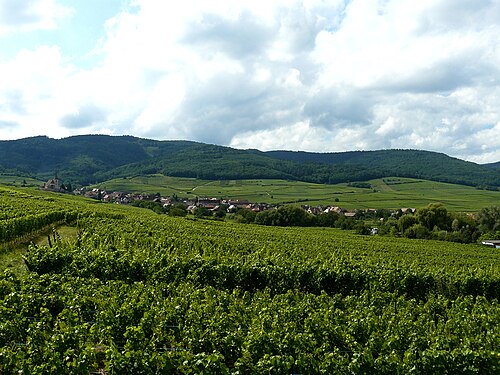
(93, 158)
(403, 163)
(391, 193)
(80, 158)
(493, 165)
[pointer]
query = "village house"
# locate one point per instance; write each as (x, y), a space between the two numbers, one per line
(335, 209)
(96, 194)
(232, 208)
(80, 191)
(312, 210)
(209, 203)
(408, 210)
(237, 203)
(117, 197)
(165, 202)
(258, 207)
(54, 184)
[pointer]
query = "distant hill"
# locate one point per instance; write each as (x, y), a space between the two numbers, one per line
(80, 158)
(493, 165)
(403, 163)
(92, 158)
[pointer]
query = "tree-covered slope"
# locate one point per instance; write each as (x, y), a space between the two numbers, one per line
(493, 165)
(79, 158)
(403, 163)
(92, 158)
(210, 162)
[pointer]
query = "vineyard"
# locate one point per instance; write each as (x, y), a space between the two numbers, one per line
(390, 193)
(138, 293)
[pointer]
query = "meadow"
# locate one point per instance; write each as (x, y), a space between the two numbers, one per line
(122, 290)
(390, 193)
(12, 180)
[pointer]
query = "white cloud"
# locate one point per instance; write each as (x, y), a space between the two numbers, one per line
(317, 75)
(299, 136)
(304, 137)
(487, 143)
(32, 91)
(28, 15)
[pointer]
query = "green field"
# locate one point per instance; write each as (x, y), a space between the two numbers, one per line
(391, 193)
(11, 180)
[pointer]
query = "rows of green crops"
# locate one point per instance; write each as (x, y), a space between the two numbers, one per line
(25, 211)
(140, 293)
(15, 203)
(59, 324)
(228, 256)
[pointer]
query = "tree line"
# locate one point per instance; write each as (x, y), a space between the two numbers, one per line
(431, 222)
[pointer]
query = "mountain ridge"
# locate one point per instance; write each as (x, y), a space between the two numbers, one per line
(493, 165)
(91, 158)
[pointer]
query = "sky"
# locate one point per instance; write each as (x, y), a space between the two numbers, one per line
(311, 75)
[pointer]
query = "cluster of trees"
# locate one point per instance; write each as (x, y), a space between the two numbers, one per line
(435, 222)
(293, 216)
(179, 209)
(203, 212)
(176, 209)
(430, 222)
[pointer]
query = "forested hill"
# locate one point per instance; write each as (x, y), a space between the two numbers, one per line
(80, 158)
(92, 158)
(493, 165)
(404, 163)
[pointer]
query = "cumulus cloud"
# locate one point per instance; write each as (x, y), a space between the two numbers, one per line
(317, 75)
(85, 117)
(302, 136)
(29, 15)
(32, 93)
(8, 124)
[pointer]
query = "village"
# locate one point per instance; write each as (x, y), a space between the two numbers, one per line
(216, 206)
(209, 203)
